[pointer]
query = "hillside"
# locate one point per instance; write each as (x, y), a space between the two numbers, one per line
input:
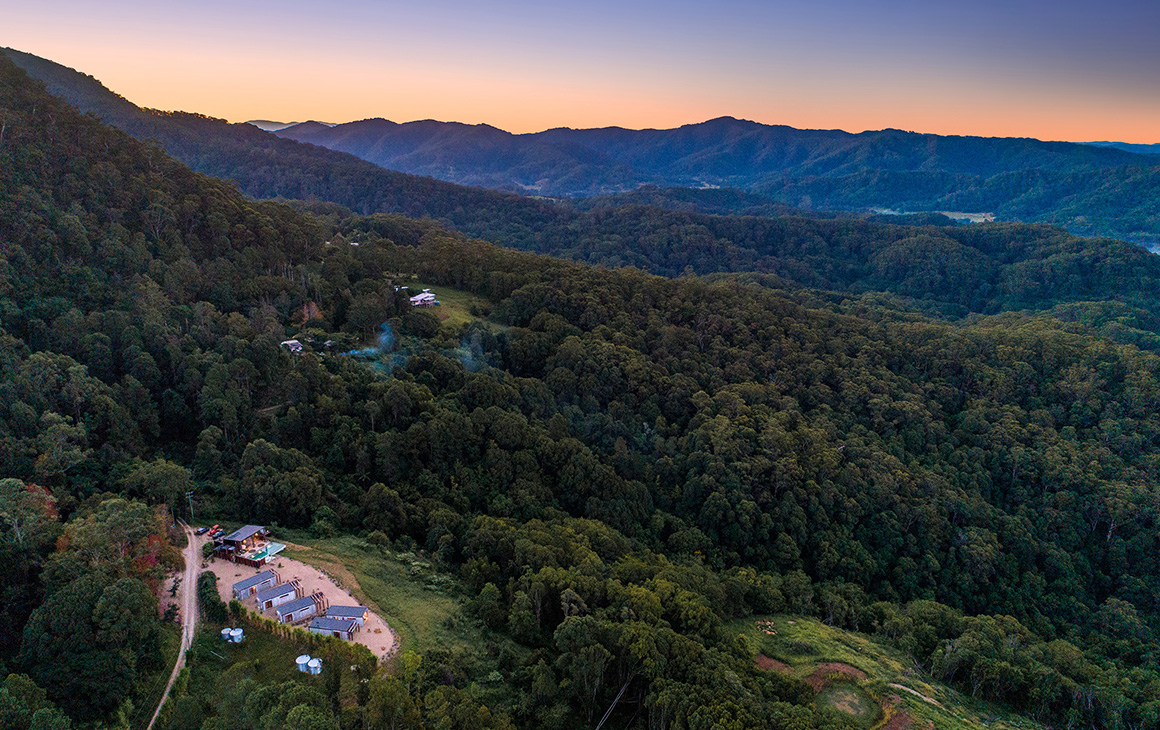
(265, 166)
(626, 467)
(1142, 149)
(862, 678)
(1093, 190)
(1086, 189)
(944, 269)
(722, 152)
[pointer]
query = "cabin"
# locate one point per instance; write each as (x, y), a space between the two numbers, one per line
(353, 613)
(245, 538)
(278, 595)
(425, 299)
(341, 627)
(301, 608)
(243, 589)
(292, 345)
(248, 546)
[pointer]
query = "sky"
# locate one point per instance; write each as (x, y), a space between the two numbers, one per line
(1062, 70)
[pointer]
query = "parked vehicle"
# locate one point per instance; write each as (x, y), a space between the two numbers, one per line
(201, 531)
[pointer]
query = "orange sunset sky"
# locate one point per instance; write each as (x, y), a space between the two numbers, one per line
(1048, 70)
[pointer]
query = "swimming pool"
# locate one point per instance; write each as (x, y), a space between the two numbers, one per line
(271, 549)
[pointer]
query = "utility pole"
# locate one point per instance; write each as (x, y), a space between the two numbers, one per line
(189, 494)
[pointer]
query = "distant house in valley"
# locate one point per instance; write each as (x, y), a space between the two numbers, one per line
(293, 346)
(301, 608)
(343, 628)
(243, 589)
(425, 299)
(278, 595)
(354, 613)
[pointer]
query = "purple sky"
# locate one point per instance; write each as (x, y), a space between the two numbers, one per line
(1053, 70)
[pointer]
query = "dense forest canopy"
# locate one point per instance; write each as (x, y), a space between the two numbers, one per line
(615, 463)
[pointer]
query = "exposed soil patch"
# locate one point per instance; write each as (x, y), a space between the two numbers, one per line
(896, 717)
(826, 673)
(772, 665)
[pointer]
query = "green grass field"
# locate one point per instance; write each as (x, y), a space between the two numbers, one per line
(803, 647)
(421, 605)
(850, 701)
(265, 656)
(455, 306)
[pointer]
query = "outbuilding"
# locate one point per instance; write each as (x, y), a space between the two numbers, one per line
(278, 595)
(355, 613)
(243, 589)
(343, 628)
(296, 610)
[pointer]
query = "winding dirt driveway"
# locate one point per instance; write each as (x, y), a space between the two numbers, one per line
(188, 603)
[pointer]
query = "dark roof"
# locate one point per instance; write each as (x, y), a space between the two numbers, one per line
(278, 590)
(327, 623)
(346, 611)
(243, 532)
(254, 580)
(295, 605)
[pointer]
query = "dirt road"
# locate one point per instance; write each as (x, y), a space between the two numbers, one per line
(188, 603)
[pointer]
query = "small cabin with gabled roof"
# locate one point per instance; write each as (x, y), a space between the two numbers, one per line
(251, 586)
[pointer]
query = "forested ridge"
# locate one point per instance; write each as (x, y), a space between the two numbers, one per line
(614, 463)
(949, 269)
(1083, 189)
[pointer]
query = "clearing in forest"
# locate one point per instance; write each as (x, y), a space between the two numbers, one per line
(850, 700)
(867, 680)
(456, 307)
(375, 634)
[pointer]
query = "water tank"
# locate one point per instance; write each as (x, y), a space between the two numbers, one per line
(315, 666)
(226, 634)
(236, 636)
(303, 662)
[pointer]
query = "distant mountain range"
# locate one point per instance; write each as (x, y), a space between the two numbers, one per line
(724, 152)
(723, 166)
(269, 126)
(1141, 149)
(266, 166)
(1088, 189)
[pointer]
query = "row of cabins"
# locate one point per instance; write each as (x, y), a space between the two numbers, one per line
(340, 621)
(290, 605)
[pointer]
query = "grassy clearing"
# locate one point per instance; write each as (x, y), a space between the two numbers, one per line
(455, 306)
(850, 701)
(421, 605)
(806, 646)
(272, 656)
(268, 658)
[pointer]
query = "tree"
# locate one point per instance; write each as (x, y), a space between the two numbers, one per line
(159, 481)
(389, 705)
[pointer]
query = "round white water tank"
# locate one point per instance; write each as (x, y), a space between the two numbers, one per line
(236, 636)
(315, 666)
(226, 634)
(303, 662)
